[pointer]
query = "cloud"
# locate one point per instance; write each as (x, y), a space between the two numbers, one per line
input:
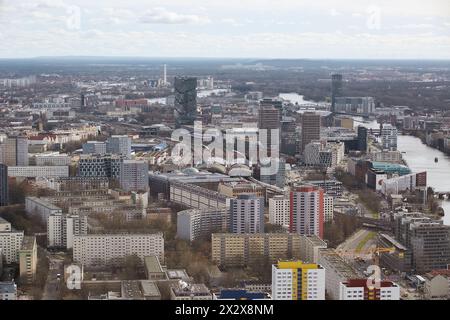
(161, 15)
(413, 26)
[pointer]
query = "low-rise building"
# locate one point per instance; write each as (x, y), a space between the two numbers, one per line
(358, 289)
(101, 249)
(38, 171)
(233, 250)
(187, 291)
(195, 223)
(8, 291)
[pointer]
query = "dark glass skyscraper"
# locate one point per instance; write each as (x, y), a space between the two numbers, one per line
(362, 139)
(185, 100)
(336, 89)
(4, 196)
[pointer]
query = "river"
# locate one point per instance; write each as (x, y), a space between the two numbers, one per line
(420, 157)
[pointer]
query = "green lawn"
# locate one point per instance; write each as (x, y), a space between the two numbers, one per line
(363, 242)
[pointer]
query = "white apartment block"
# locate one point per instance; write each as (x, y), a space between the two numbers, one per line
(294, 280)
(38, 171)
(328, 208)
(102, 249)
(279, 210)
(41, 208)
(61, 229)
(52, 160)
(10, 242)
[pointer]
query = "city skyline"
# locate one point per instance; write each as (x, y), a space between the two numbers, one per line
(263, 29)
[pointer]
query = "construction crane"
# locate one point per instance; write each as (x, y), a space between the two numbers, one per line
(376, 253)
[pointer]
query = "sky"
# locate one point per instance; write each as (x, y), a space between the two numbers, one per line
(319, 29)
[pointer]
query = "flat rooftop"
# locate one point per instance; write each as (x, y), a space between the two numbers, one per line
(152, 264)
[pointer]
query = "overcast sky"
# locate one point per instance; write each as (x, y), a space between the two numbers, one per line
(400, 29)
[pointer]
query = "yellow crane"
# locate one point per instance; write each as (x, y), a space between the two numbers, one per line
(376, 253)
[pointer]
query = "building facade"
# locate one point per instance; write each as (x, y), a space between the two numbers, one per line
(295, 280)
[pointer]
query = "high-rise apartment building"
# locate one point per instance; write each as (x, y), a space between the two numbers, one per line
(185, 100)
(307, 211)
(61, 228)
(310, 128)
(295, 280)
(279, 210)
(247, 214)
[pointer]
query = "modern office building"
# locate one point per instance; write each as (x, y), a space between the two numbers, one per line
(10, 241)
(193, 224)
(279, 210)
(28, 260)
(237, 188)
(269, 119)
(336, 89)
(102, 249)
(389, 137)
(4, 189)
(246, 214)
(100, 166)
(362, 139)
(38, 171)
(307, 210)
(133, 175)
(194, 196)
(427, 239)
(94, 147)
(295, 280)
(185, 100)
(237, 250)
(61, 228)
(310, 128)
(120, 145)
(14, 151)
(358, 289)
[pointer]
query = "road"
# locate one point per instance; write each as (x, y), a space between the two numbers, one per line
(53, 285)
